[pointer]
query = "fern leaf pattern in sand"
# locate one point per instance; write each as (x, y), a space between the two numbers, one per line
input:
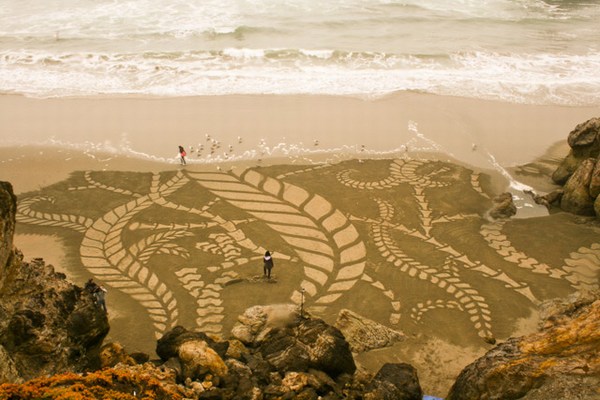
(385, 238)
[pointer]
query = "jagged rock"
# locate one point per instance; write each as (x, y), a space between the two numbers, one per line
(257, 321)
(8, 212)
(47, 324)
(240, 376)
(585, 143)
(311, 343)
(548, 199)
(576, 198)
(168, 345)
(52, 326)
(236, 349)
(8, 369)
(566, 350)
(394, 382)
(595, 180)
(585, 134)
(198, 359)
(504, 207)
(364, 334)
(112, 354)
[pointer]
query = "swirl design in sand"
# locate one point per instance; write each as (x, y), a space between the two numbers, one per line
(375, 236)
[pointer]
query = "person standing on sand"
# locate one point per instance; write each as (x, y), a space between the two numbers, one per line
(268, 264)
(182, 154)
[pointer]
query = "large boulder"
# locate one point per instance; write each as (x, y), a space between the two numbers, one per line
(291, 342)
(585, 143)
(311, 343)
(198, 359)
(576, 198)
(168, 345)
(364, 334)
(257, 321)
(394, 382)
(562, 361)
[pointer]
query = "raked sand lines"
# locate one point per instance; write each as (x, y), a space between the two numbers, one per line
(322, 237)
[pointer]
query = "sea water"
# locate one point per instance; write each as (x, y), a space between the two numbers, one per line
(520, 51)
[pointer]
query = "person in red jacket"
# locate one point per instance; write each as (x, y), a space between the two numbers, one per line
(182, 154)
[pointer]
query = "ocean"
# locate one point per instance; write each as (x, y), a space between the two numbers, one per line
(517, 51)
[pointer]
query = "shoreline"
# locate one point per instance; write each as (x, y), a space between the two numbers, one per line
(252, 127)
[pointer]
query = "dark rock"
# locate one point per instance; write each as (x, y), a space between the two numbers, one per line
(395, 381)
(168, 345)
(239, 379)
(566, 350)
(328, 349)
(576, 198)
(585, 134)
(547, 200)
(282, 352)
(8, 212)
(139, 357)
(585, 143)
(504, 206)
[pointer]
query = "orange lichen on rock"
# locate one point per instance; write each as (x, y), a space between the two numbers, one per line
(104, 384)
(582, 333)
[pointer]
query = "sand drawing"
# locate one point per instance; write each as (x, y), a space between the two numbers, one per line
(181, 242)
(580, 269)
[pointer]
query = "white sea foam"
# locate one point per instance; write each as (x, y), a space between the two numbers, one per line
(526, 51)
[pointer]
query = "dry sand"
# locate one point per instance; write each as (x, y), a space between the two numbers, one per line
(408, 246)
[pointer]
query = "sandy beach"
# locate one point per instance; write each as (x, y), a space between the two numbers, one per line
(395, 230)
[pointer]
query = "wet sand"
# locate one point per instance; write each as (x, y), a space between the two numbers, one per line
(402, 239)
(284, 126)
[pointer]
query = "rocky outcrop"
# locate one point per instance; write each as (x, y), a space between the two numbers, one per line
(364, 334)
(562, 361)
(579, 172)
(584, 141)
(394, 382)
(504, 207)
(8, 212)
(274, 352)
(47, 325)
